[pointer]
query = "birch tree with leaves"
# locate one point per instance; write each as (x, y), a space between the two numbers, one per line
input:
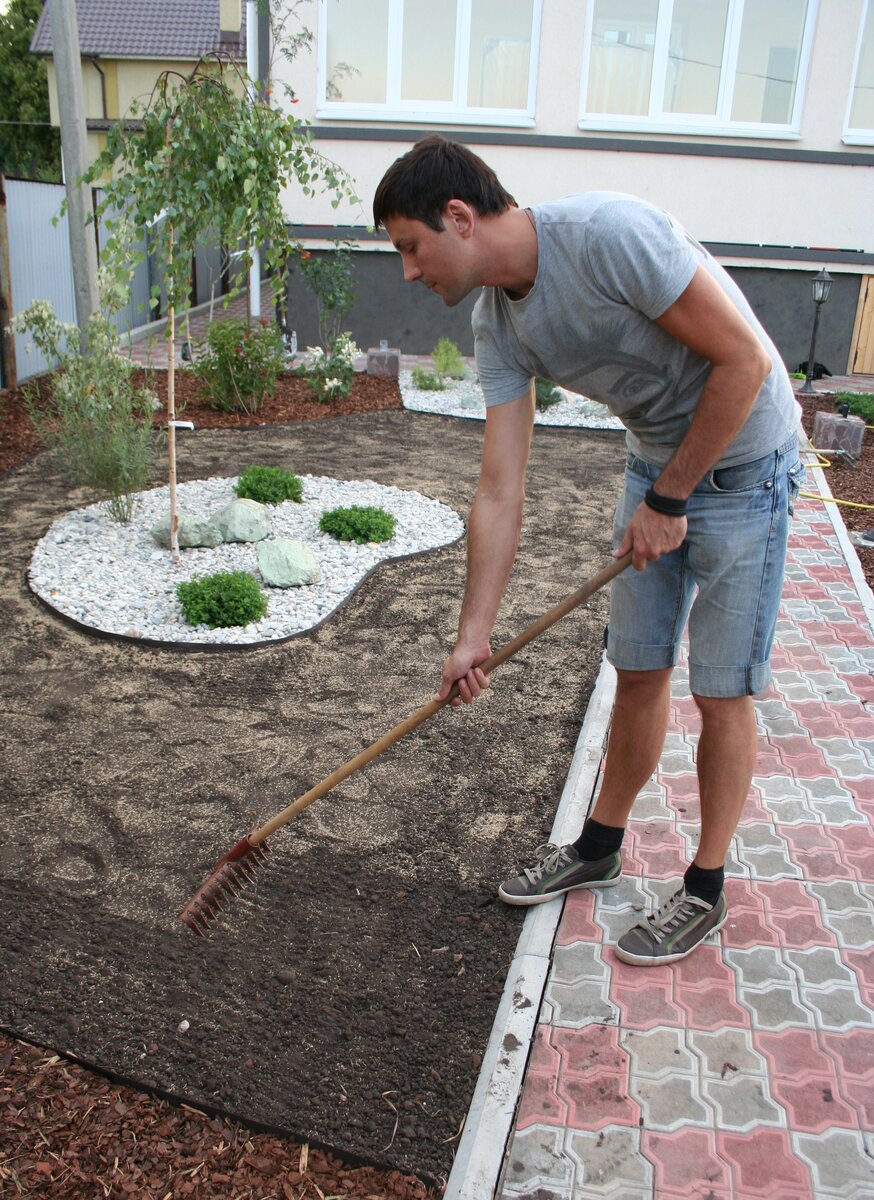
(204, 158)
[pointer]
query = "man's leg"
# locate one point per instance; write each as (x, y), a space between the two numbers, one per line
(726, 761)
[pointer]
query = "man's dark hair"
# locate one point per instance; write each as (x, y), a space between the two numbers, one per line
(420, 184)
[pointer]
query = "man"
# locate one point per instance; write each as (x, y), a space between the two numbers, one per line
(608, 296)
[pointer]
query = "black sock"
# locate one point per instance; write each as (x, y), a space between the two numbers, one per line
(705, 883)
(597, 840)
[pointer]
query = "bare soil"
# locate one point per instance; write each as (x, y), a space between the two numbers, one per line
(346, 1003)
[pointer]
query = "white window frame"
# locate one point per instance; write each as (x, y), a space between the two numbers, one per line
(857, 136)
(427, 112)
(718, 125)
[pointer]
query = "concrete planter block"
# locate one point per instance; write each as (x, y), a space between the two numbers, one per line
(833, 432)
(384, 362)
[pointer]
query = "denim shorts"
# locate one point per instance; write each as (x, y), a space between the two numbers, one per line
(725, 579)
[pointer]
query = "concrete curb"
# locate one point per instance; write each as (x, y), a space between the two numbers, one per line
(478, 1164)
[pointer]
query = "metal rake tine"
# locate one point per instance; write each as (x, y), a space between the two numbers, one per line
(228, 878)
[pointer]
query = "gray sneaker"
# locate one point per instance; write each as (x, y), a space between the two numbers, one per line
(673, 931)
(559, 869)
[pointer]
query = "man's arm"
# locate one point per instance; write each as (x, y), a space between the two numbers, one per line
(492, 539)
(705, 320)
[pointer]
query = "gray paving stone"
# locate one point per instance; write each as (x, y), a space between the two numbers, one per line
(742, 1102)
(838, 1008)
(756, 834)
(578, 961)
(611, 1164)
(657, 1052)
(819, 966)
(840, 896)
(670, 1103)
(725, 1052)
(536, 1159)
(580, 1004)
(840, 1166)
(776, 1008)
(771, 863)
(761, 966)
(854, 930)
(838, 812)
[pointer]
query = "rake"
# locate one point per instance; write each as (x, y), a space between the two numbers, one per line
(240, 865)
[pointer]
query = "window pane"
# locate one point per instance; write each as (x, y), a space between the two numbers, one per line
(620, 58)
(500, 53)
(695, 57)
(428, 64)
(767, 65)
(862, 111)
(357, 50)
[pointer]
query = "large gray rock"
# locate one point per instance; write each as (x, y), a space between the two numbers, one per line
(242, 521)
(286, 562)
(193, 531)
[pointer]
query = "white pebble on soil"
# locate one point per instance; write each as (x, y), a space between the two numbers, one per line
(114, 578)
(464, 398)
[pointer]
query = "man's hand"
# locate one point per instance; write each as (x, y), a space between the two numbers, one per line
(462, 667)
(650, 535)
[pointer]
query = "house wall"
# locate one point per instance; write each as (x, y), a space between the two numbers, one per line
(749, 195)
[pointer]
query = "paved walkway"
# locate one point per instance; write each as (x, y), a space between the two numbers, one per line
(745, 1072)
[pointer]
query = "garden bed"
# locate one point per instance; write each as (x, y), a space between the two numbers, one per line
(349, 1001)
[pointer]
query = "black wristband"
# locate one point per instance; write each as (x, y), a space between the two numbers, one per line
(666, 505)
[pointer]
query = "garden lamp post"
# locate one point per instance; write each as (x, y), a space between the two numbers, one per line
(821, 288)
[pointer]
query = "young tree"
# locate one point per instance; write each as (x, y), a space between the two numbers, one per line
(201, 159)
(29, 146)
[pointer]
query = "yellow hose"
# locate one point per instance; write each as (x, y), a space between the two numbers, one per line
(833, 500)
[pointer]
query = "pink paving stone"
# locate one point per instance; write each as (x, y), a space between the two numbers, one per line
(705, 966)
(646, 1005)
(853, 1051)
(540, 1104)
(808, 838)
(598, 1098)
(768, 761)
(679, 786)
(711, 1006)
(660, 849)
(812, 1104)
(802, 757)
(794, 1052)
(545, 1058)
(577, 922)
(823, 864)
(686, 1162)
(862, 962)
(762, 1162)
(746, 927)
(856, 842)
(861, 1097)
(823, 720)
(794, 913)
(845, 633)
(861, 686)
(594, 1046)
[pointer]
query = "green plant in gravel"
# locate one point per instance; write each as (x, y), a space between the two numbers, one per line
(358, 523)
(861, 404)
(448, 360)
(546, 394)
(428, 381)
(221, 600)
(240, 363)
(96, 425)
(269, 485)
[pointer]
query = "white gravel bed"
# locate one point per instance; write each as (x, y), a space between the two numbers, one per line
(464, 398)
(114, 578)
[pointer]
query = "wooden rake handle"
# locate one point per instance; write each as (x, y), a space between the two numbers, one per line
(428, 710)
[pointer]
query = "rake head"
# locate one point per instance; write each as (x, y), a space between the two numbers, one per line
(226, 880)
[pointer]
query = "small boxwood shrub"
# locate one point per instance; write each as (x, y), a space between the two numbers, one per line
(860, 404)
(221, 600)
(358, 524)
(269, 485)
(428, 381)
(546, 393)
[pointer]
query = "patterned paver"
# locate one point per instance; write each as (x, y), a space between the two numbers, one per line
(745, 1072)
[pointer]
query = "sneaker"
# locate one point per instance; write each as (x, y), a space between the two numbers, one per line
(673, 931)
(559, 869)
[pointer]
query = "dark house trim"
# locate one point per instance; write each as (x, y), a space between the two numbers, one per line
(360, 233)
(367, 133)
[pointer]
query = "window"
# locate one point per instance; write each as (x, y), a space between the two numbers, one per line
(429, 60)
(696, 66)
(860, 118)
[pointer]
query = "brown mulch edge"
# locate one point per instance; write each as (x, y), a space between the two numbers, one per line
(66, 1126)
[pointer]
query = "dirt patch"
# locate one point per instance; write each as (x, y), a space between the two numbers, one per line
(349, 1000)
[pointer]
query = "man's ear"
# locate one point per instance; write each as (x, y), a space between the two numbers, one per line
(460, 214)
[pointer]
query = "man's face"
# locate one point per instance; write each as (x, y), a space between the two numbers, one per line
(439, 260)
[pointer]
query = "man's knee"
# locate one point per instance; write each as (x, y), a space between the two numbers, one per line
(642, 685)
(722, 709)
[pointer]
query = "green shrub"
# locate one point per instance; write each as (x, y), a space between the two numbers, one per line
(330, 375)
(240, 363)
(448, 360)
(861, 404)
(269, 485)
(428, 381)
(358, 524)
(224, 599)
(546, 393)
(96, 425)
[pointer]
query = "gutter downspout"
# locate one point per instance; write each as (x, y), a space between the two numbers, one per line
(252, 71)
(92, 58)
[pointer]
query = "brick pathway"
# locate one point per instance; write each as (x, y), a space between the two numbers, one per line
(745, 1072)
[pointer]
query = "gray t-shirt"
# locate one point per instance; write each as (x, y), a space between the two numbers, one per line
(608, 265)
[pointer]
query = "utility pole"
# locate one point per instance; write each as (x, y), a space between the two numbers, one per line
(8, 378)
(71, 106)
